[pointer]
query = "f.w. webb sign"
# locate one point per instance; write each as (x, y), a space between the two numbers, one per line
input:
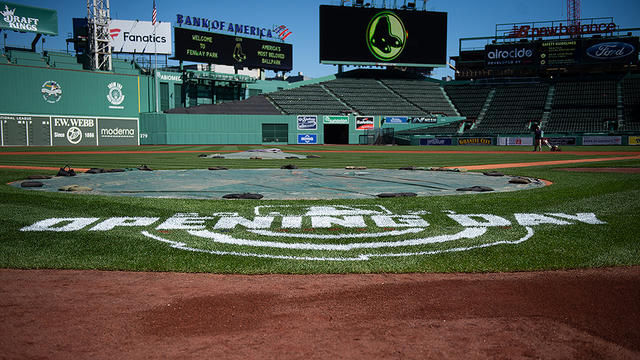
(326, 233)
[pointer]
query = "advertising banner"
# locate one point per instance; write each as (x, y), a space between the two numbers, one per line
(212, 48)
(423, 120)
(364, 122)
(140, 37)
(619, 50)
(562, 141)
(117, 131)
(69, 130)
(396, 120)
(511, 141)
(518, 54)
(307, 139)
(25, 18)
(58, 130)
(602, 140)
(370, 36)
(474, 141)
(442, 141)
(634, 140)
(335, 119)
(307, 122)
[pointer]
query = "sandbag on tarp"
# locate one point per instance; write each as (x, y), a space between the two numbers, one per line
(401, 194)
(493, 173)
(520, 180)
(476, 188)
(311, 184)
(31, 184)
(74, 188)
(243, 196)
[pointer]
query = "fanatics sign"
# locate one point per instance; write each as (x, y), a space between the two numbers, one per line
(140, 37)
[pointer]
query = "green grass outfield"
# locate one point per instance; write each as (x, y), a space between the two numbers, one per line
(533, 239)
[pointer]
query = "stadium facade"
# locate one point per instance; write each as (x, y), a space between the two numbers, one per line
(583, 88)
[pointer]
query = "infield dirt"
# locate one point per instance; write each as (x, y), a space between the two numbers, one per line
(579, 314)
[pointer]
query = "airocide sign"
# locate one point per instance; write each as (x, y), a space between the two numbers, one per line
(511, 54)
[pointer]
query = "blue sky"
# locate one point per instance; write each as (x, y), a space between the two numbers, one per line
(466, 18)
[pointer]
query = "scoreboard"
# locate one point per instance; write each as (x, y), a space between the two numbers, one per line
(213, 48)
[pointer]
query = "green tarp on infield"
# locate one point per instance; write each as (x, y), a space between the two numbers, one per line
(280, 183)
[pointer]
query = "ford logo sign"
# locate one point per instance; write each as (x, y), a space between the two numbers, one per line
(610, 50)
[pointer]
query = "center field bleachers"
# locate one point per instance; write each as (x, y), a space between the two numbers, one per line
(309, 99)
(468, 99)
(512, 109)
(370, 97)
(583, 106)
(426, 95)
(631, 104)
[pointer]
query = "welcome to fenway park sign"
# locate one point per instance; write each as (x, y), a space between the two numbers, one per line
(325, 233)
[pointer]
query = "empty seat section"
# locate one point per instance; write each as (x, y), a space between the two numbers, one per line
(468, 99)
(631, 103)
(63, 61)
(512, 109)
(426, 95)
(583, 107)
(370, 97)
(309, 99)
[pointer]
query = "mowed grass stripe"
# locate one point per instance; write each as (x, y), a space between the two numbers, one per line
(612, 197)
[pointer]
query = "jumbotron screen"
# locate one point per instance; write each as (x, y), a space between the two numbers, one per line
(369, 36)
(212, 48)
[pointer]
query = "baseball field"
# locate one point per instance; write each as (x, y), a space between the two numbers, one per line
(547, 272)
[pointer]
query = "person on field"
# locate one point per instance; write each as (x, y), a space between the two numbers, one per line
(537, 138)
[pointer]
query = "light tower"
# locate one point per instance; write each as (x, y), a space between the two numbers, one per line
(98, 18)
(573, 12)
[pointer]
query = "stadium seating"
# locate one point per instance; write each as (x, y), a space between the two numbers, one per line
(579, 120)
(63, 61)
(578, 94)
(122, 66)
(512, 110)
(468, 98)
(27, 58)
(583, 107)
(255, 105)
(309, 99)
(371, 97)
(631, 103)
(450, 129)
(426, 95)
